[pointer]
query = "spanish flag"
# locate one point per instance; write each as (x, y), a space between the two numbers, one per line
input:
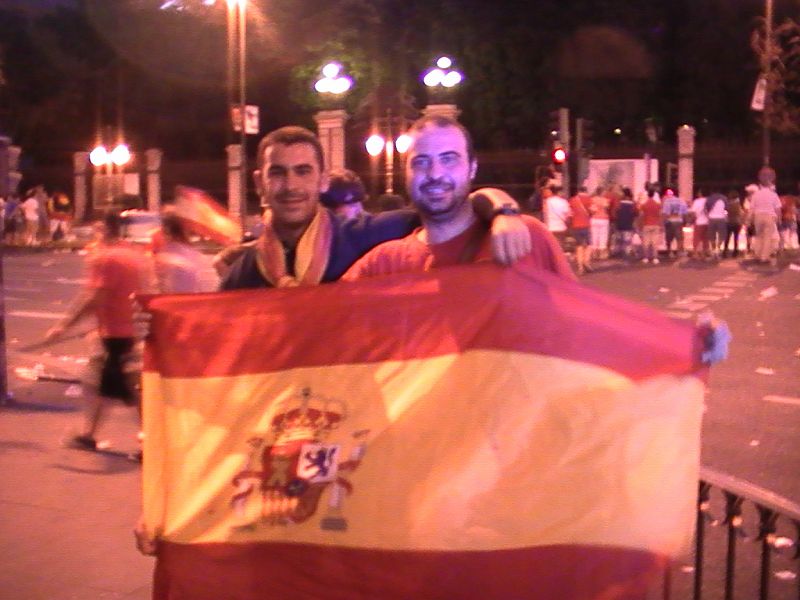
(468, 433)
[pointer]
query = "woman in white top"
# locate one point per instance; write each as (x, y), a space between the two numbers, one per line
(700, 217)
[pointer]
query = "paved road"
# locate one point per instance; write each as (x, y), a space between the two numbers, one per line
(752, 422)
(67, 515)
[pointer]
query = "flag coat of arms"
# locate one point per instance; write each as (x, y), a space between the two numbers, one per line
(472, 432)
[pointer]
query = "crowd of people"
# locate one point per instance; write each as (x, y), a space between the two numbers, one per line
(753, 223)
(36, 217)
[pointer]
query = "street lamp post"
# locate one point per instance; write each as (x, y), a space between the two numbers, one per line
(767, 70)
(237, 52)
(101, 157)
(441, 81)
(376, 144)
(332, 86)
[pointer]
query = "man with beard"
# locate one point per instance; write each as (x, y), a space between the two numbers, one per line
(440, 165)
(306, 244)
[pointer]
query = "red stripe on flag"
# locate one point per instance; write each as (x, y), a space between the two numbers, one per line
(296, 571)
(388, 318)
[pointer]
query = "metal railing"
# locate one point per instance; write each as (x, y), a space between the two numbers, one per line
(774, 528)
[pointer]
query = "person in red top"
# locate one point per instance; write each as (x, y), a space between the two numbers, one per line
(580, 206)
(116, 271)
(440, 165)
(650, 218)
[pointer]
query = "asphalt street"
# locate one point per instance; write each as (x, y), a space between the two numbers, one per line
(67, 514)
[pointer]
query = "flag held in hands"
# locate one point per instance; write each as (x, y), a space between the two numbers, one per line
(473, 432)
(204, 215)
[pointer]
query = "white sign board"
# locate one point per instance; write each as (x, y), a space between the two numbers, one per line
(626, 172)
(251, 119)
(759, 94)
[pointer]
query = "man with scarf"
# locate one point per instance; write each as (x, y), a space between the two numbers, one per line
(304, 243)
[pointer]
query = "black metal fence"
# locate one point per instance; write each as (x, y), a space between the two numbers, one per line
(747, 544)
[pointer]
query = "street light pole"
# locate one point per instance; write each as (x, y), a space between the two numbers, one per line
(242, 5)
(767, 69)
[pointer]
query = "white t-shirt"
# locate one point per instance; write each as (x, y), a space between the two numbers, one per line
(765, 201)
(556, 213)
(31, 209)
(699, 210)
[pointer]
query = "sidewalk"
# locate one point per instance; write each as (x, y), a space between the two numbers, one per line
(67, 514)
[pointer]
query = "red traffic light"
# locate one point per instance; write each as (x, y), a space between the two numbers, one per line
(559, 155)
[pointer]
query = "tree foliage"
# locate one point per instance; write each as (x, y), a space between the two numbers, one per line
(781, 55)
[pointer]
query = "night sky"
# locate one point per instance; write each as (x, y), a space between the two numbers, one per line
(74, 70)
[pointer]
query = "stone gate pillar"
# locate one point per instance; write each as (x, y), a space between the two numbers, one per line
(80, 195)
(153, 174)
(686, 138)
(235, 175)
(330, 130)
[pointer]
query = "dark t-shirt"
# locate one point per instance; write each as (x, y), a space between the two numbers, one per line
(351, 240)
(625, 215)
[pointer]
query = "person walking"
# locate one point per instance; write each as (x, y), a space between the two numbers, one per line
(116, 272)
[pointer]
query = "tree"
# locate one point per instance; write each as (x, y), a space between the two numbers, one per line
(783, 55)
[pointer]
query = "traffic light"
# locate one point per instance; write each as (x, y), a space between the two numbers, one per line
(559, 155)
(584, 134)
(559, 125)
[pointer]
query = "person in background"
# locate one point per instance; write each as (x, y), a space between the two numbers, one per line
(180, 268)
(599, 224)
(673, 211)
(556, 214)
(117, 270)
(345, 195)
(579, 206)
(650, 221)
(766, 208)
(700, 222)
(747, 215)
(734, 222)
(717, 221)
(30, 210)
(788, 225)
(59, 214)
(624, 216)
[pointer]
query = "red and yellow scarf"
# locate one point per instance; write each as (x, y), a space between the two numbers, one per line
(313, 252)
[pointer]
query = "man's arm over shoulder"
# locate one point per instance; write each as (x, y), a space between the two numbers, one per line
(367, 231)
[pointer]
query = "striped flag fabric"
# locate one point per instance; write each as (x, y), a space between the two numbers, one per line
(471, 432)
(205, 216)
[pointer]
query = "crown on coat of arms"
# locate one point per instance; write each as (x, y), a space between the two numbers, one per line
(306, 417)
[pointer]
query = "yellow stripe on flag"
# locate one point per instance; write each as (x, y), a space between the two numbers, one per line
(485, 450)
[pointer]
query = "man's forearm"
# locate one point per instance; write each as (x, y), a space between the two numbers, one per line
(489, 202)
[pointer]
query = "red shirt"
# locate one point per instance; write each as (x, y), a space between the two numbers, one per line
(580, 205)
(651, 212)
(116, 272)
(409, 254)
